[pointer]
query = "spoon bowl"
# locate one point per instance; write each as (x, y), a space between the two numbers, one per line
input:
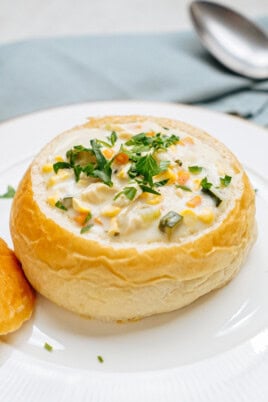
(232, 39)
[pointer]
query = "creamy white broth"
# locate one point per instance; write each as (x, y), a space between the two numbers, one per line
(137, 221)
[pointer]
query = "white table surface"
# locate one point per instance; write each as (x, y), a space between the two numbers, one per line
(20, 19)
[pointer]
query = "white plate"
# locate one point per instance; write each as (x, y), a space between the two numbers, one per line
(213, 350)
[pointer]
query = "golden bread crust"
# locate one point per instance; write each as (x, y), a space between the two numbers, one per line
(16, 295)
(122, 283)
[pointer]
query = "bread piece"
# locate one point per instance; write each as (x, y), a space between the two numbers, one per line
(126, 266)
(16, 295)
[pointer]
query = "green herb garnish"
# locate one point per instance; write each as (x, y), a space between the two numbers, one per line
(86, 228)
(60, 205)
(77, 171)
(9, 193)
(195, 169)
(161, 183)
(185, 188)
(88, 217)
(103, 170)
(128, 192)
(113, 138)
(159, 141)
(100, 359)
(225, 181)
(140, 150)
(48, 347)
(205, 184)
(147, 189)
(206, 188)
(61, 165)
(148, 167)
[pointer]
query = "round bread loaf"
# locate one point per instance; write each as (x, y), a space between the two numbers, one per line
(129, 216)
(16, 295)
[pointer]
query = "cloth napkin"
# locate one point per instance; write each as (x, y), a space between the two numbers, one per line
(44, 73)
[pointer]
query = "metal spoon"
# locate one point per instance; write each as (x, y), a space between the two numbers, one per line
(231, 38)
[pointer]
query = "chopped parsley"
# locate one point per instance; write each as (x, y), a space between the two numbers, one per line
(159, 141)
(147, 167)
(48, 347)
(147, 189)
(85, 229)
(225, 181)
(9, 193)
(205, 184)
(112, 140)
(195, 169)
(128, 192)
(184, 188)
(100, 359)
(61, 165)
(88, 217)
(161, 183)
(60, 205)
(206, 188)
(140, 150)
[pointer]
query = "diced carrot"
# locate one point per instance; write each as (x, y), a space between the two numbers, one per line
(108, 153)
(183, 177)
(150, 134)
(194, 202)
(81, 218)
(121, 158)
(98, 221)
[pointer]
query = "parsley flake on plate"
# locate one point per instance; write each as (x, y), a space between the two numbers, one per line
(9, 193)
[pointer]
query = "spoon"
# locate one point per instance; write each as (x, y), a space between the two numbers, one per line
(231, 38)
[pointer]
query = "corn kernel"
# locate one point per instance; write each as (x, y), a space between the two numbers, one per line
(197, 183)
(59, 158)
(189, 217)
(79, 207)
(187, 212)
(108, 153)
(207, 216)
(47, 168)
(168, 174)
(180, 192)
(124, 135)
(150, 216)
(122, 174)
(154, 199)
(111, 212)
(52, 200)
(57, 178)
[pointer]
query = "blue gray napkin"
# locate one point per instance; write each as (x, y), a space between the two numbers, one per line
(44, 73)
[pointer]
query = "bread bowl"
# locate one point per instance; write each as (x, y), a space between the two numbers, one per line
(16, 295)
(129, 216)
